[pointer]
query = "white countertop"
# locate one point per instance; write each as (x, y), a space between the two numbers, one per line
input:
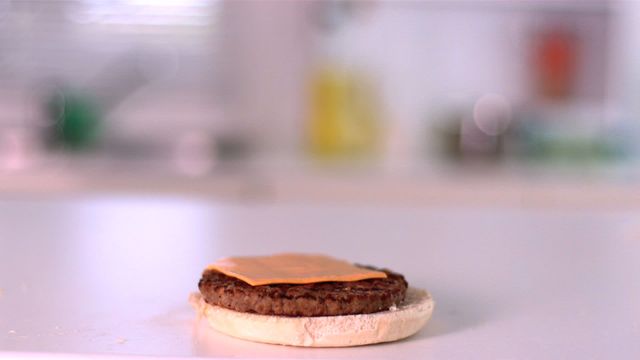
(105, 276)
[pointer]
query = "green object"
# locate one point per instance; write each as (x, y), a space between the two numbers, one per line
(77, 120)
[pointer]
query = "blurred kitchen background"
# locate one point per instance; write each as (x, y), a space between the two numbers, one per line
(455, 101)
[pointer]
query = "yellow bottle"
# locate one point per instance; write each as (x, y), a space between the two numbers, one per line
(343, 119)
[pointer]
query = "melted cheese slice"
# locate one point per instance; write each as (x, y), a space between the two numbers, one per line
(292, 269)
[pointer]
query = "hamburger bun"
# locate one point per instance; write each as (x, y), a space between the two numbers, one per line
(322, 331)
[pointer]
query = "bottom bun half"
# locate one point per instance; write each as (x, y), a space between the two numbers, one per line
(322, 331)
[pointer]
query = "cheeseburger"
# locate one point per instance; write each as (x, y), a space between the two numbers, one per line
(309, 300)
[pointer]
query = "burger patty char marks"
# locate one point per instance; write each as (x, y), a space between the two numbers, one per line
(317, 299)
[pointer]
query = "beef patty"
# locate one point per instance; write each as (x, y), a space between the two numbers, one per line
(317, 299)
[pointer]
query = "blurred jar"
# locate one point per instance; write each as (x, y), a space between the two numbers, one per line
(556, 61)
(343, 120)
(343, 106)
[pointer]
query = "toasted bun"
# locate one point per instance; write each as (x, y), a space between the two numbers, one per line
(322, 331)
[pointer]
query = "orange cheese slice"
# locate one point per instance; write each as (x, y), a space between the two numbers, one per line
(292, 269)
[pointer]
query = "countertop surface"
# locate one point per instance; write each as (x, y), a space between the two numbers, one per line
(98, 275)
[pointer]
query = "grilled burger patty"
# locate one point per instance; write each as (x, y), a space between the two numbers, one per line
(318, 299)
